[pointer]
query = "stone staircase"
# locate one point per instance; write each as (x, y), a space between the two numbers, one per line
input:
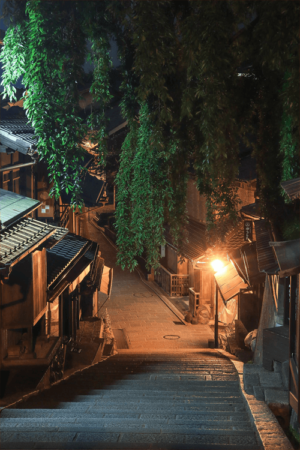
(181, 400)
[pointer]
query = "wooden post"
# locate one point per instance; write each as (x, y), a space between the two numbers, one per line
(48, 319)
(61, 315)
(74, 317)
(30, 339)
(31, 187)
(286, 301)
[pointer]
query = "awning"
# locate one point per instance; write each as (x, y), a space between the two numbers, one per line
(245, 262)
(62, 255)
(267, 261)
(106, 280)
(288, 257)
(229, 282)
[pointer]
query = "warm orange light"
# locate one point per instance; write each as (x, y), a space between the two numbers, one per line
(217, 265)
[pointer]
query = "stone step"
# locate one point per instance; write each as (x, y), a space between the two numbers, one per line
(203, 399)
(219, 422)
(84, 406)
(129, 403)
(100, 393)
(240, 416)
(141, 429)
(157, 401)
(156, 440)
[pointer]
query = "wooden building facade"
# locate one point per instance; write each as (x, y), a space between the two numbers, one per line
(49, 278)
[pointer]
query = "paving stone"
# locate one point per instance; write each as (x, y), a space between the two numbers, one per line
(270, 379)
(285, 374)
(152, 438)
(6, 436)
(97, 437)
(277, 396)
(243, 440)
(259, 393)
(206, 439)
(250, 380)
(32, 436)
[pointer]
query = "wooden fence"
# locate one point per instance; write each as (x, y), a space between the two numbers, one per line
(175, 285)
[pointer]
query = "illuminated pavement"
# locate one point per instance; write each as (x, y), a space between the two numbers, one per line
(135, 308)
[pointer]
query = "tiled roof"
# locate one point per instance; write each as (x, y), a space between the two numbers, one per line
(61, 256)
(14, 206)
(234, 239)
(265, 255)
(58, 235)
(17, 134)
(19, 239)
(292, 188)
(251, 210)
(195, 233)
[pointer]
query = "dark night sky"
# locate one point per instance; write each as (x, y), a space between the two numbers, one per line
(87, 67)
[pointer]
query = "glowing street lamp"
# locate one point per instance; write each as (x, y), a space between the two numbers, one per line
(217, 265)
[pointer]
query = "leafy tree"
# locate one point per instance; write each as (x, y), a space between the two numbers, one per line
(184, 100)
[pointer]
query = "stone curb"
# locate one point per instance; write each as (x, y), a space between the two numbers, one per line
(268, 430)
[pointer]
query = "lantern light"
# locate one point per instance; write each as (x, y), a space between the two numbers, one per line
(217, 265)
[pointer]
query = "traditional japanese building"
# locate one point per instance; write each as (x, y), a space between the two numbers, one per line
(49, 279)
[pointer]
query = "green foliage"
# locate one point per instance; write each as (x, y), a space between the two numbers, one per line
(100, 90)
(48, 48)
(186, 106)
(289, 143)
(144, 191)
(291, 228)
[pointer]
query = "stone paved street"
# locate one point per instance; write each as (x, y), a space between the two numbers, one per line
(144, 316)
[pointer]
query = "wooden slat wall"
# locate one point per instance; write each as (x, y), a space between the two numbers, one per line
(39, 280)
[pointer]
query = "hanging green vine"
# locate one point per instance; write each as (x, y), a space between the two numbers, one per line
(187, 108)
(99, 56)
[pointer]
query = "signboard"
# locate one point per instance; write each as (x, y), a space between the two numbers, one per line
(47, 207)
(247, 230)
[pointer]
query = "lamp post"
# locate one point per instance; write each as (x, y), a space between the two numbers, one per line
(216, 319)
(217, 265)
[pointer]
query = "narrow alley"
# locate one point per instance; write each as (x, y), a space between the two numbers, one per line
(148, 322)
(159, 393)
